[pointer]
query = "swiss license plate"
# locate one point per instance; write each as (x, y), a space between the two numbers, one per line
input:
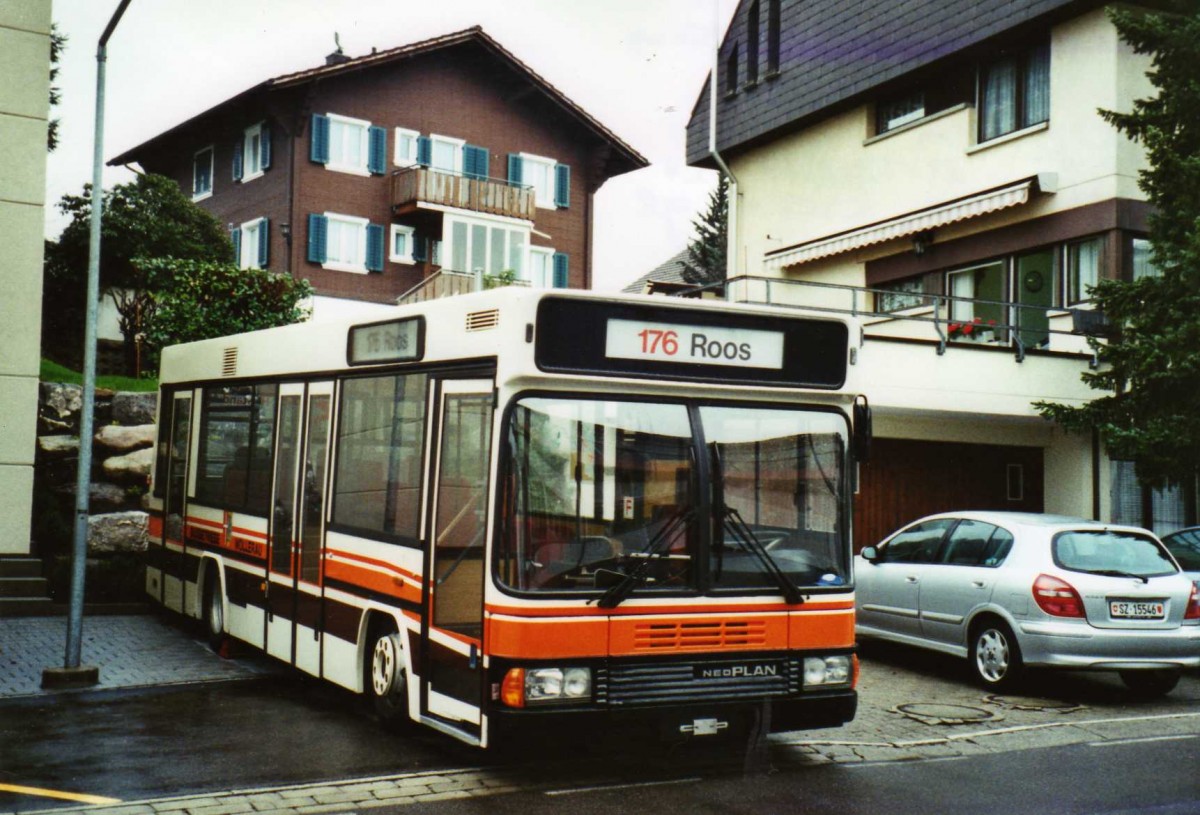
(1135, 610)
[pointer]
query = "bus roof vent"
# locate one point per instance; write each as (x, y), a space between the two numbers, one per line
(229, 362)
(483, 320)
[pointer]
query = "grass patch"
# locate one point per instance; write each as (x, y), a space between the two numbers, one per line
(53, 372)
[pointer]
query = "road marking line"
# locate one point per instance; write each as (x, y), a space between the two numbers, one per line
(606, 788)
(1143, 740)
(65, 796)
(850, 765)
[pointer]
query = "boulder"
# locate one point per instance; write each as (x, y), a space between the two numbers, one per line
(58, 447)
(60, 403)
(117, 532)
(134, 408)
(105, 497)
(131, 468)
(122, 439)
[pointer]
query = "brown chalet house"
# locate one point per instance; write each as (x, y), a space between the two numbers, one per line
(406, 173)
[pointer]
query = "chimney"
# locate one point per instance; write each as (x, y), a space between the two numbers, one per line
(338, 56)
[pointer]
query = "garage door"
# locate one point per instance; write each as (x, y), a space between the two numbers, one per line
(908, 479)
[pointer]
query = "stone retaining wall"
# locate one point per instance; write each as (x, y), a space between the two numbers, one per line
(122, 456)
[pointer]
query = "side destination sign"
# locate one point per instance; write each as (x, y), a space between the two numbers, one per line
(391, 341)
(694, 345)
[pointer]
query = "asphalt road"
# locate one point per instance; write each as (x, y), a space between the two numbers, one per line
(917, 715)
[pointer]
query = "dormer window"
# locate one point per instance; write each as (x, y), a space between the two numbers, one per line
(772, 37)
(731, 70)
(752, 44)
(900, 111)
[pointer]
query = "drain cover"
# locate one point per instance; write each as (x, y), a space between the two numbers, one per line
(935, 713)
(1034, 703)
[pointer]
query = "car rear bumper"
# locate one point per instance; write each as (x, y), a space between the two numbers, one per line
(1075, 645)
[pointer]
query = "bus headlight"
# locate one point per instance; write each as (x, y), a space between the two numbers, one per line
(539, 686)
(826, 671)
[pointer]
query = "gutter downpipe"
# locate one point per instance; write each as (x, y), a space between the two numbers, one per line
(731, 216)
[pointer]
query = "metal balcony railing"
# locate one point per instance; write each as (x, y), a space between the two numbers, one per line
(422, 185)
(943, 318)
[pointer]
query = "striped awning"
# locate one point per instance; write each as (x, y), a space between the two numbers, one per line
(911, 223)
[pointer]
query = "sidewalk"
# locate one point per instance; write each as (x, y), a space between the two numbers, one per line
(131, 651)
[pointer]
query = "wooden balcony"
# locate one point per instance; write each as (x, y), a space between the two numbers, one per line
(421, 185)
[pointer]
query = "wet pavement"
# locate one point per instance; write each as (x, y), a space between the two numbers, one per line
(912, 706)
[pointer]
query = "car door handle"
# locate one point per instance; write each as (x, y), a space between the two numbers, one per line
(979, 584)
(912, 578)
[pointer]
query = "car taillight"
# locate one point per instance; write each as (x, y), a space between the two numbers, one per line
(1193, 608)
(1057, 597)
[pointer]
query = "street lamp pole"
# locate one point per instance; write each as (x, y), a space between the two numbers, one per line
(72, 673)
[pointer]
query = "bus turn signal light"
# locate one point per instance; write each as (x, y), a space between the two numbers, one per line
(512, 690)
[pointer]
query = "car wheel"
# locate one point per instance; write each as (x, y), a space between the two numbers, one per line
(384, 676)
(1151, 684)
(214, 611)
(995, 655)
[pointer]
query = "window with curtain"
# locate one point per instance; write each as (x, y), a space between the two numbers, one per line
(1143, 266)
(1083, 269)
(1014, 92)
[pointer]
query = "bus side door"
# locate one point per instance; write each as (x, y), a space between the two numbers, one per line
(453, 621)
(176, 415)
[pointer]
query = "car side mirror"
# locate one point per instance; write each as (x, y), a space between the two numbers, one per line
(870, 554)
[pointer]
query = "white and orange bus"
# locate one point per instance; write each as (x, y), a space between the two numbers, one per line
(517, 510)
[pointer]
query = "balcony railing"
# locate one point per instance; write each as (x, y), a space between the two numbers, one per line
(422, 185)
(944, 319)
(447, 283)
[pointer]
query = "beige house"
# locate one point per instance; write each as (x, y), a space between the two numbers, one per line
(940, 168)
(24, 111)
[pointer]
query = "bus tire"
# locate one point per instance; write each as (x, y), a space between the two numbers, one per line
(214, 610)
(384, 677)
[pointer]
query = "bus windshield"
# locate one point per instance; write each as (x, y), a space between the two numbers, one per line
(606, 493)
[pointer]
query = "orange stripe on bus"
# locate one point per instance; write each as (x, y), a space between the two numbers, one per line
(388, 585)
(817, 630)
(705, 605)
(533, 639)
(383, 564)
(154, 527)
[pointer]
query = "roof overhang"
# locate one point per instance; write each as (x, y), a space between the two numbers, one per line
(913, 223)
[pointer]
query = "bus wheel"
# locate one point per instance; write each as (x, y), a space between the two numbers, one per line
(214, 611)
(385, 678)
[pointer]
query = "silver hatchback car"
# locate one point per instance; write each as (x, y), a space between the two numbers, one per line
(1008, 590)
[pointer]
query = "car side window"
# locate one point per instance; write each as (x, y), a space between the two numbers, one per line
(997, 548)
(968, 543)
(917, 544)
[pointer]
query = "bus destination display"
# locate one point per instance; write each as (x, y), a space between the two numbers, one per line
(695, 345)
(392, 341)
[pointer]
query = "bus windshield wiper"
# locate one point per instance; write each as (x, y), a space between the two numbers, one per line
(732, 520)
(652, 551)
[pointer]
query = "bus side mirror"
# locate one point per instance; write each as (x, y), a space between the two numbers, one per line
(862, 429)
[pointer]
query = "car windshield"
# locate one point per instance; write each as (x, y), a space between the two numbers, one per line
(1185, 546)
(604, 496)
(1109, 552)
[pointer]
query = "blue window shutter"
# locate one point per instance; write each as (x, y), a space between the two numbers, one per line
(237, 160)
(319, 146)
(376, 150)
(418, 247)
(264, 149)
(375, 248)
(316, 237)
(264, 242)
(235, 236)
(424, 151)
(514, 168)
(475, 161)
(560, 270)
(562, 186)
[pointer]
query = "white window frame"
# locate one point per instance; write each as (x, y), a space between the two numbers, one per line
(457, 144)
(1071, 270)
(490, 223)
(398, 154)
(544, 198)
(248, 249)
(201, 195)
(339, 265)
(409, 233)
(336, 162)
(252, 137)
(546, 267)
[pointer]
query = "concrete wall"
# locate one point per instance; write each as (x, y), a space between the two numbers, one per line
(24, 111)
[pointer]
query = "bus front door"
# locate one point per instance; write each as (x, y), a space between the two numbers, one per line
(177, 415)
(459, 481)
(283, 527)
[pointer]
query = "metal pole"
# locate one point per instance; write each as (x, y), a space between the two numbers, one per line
(83, 481)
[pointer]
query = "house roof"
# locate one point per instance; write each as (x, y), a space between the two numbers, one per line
(833, 53)
(669, 271)
(631, 158)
